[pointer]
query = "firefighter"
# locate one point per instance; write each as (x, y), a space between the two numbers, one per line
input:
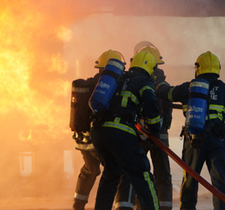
(161, 166)
(208, 145)
(116, 139)
(80, 124)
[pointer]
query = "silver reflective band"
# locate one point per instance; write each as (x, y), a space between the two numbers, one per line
(80, 90)
(81, 197)
(124, 204)
(165, 203)
(84, 146)
(116, 63)
(199, 84)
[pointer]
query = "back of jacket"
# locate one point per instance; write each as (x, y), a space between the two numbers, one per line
(216, 108)
(165, 106)
(135, 99)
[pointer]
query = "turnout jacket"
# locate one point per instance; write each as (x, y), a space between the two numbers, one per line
(135, 99)
(216, 106)
(165, 106)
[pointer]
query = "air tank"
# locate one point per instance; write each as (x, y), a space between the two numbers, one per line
(106, 86)
(197, 106)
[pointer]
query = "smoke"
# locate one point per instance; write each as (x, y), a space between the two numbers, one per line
(182, 8)
(45, 45)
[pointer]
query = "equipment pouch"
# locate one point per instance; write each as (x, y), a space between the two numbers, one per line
(98, 118)
(196, 141)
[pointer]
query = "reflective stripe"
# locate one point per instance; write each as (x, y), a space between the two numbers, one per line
(130, 193)
(80, 90)
(118, 125)
(152, 190)
(127, 203)
(154, 120)
(124, 204)
(145, 88)
(161, 83)
(170, 94)
(218, 108)
(81, 197)
(215, 116)
(117, 119)
(115, 63)
(184, 107)
(126, 95)
(84, 146)
(184, 179)
(165, 203)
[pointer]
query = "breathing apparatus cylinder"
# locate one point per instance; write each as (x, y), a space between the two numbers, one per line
(197, 106)
(106, 86)
(80, 111)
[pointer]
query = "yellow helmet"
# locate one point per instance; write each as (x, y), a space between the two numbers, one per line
(148, 46)
(207, 63)
(144, 60)
(104, 58)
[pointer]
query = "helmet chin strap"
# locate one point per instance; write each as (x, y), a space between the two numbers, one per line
(100, 70)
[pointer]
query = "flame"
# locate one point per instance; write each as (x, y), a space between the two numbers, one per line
(32, 68)
(64, 33)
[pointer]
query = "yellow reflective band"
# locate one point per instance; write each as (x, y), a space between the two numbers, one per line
(184, 177)
(145, 88)
(126, 95)
(124, 102)
(219, 108)
(184, 108)
(120, 126)
(215, 116)
(152, 190)
(154, 120)
(161, 83)
(220, 116)
(117, 119)
(170, 94)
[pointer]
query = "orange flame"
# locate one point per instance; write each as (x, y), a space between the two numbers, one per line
(32, 68)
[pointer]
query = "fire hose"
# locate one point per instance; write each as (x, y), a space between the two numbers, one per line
(180, 162)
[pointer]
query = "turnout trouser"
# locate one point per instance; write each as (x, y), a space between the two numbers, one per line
(125, 197)
(86, 178)
(121, 153)
(212, 152)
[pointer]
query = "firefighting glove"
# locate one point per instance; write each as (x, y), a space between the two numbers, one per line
(159, 76)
